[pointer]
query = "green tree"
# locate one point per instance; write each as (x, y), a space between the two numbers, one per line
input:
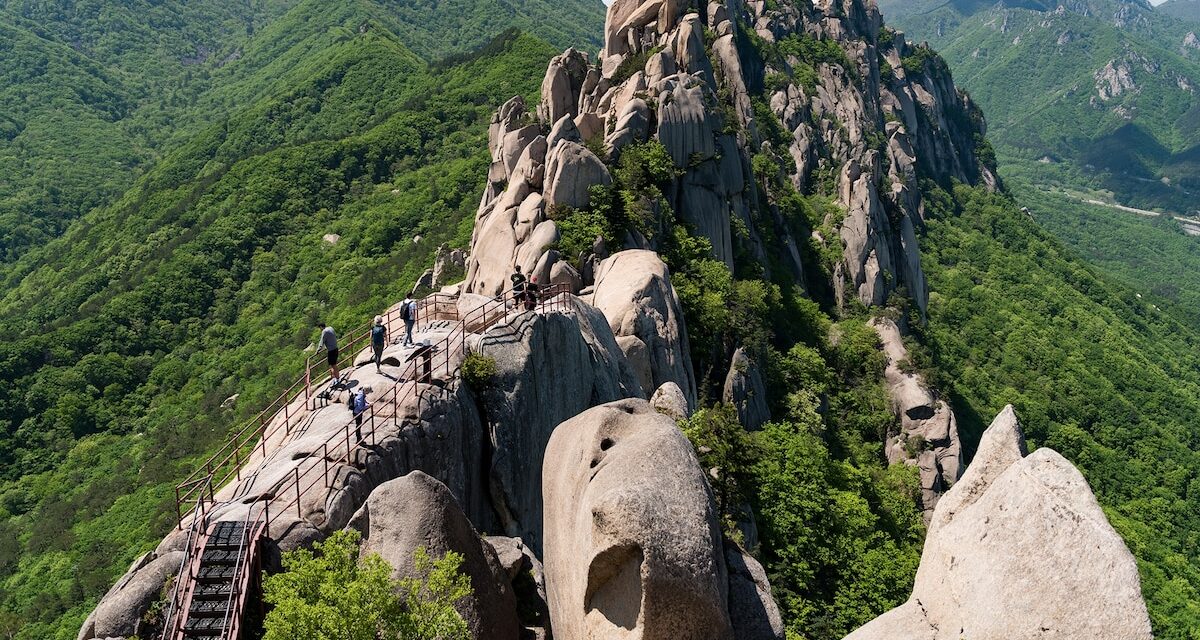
(335, 595)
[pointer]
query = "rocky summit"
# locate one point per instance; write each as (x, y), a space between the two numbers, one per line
(583, 449)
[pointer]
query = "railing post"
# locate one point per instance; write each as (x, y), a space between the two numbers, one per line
(297, 470)
(325, 461)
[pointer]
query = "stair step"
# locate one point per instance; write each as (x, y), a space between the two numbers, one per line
(208, 608)
(215, 574)
(213, 557)
(205, 626)
(226, 536)
(213, 591)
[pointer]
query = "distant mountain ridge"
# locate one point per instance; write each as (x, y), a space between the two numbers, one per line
(1099, 93)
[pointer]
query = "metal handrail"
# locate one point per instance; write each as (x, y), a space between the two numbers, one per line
(229, 456)
(552, 299)
(240, 582)
(478, 320)
(199, 525)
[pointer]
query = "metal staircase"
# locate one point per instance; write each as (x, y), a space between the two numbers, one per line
(219, 577)
(220, 573)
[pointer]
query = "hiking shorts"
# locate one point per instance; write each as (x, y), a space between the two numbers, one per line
(333, 354)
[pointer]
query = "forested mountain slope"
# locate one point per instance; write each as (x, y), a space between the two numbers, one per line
(129, 333)
(204, 281)
(1098, 93)
(1186, 9)
(94, 92)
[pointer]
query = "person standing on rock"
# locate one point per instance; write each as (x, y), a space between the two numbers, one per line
(378, 340)
(330, 345)
(518, 285)
(408, 313)
(531, 294)
(358, 406)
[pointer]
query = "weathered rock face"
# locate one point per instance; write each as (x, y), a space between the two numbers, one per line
(752, 612)
(121, 610)
(928, 431)
(744, 389)
(418, 511)
(633, 289)
(869, 128)
(1019, 548)
(549, 369)
(616, 565)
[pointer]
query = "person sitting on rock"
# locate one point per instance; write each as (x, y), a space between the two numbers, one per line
(518, 285)
(329, 343)
(531, 294)
(378, 340)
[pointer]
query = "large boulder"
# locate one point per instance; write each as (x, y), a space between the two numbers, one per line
(752, 611)
(550, 367)
(633, 548)
(120, 612)
(571, 171)
(1019, 548)
(560, 88)
(633, 289)
(927, 431)
(418, 511)
(744, 389)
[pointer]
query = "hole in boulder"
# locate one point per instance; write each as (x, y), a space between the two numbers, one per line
(301, 455)
(614, 588)
(258, 498)
(606, 444)
(595, 461)
(923, 412)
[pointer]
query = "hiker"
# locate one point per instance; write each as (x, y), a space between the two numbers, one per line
(408, 313)
(329, 343)
(358, 406)
(518, 285)
(378, 340)
(531, 294)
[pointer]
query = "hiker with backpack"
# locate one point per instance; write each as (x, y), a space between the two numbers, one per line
(378, 340)
(518, 286)
(329, 343)
(408, 313)
(358, 406)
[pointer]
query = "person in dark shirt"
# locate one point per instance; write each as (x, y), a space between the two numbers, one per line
(531, 294)
(378, 340)
(518, 285)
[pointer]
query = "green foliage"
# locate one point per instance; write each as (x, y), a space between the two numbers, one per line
(728, 452)
(1040, 91)
(334, 595)
(632, 64)
(1098, 374)
(840, 532)
(93, 94)
(125, 336)
(922, 60)
(578, 229)
(478, 371)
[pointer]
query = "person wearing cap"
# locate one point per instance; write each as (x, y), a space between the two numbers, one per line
(378, 340)
(408, 313)
(329, 343)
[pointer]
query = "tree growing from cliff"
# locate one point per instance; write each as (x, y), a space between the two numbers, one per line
(335, 595)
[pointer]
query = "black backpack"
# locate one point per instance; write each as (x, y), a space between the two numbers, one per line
(406, 311)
